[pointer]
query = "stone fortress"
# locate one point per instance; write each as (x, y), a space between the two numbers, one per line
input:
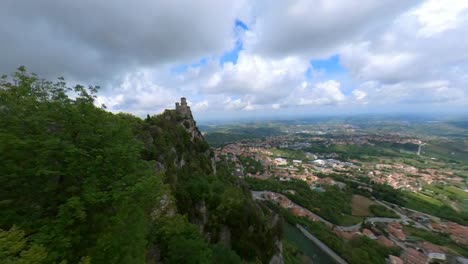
(188, 122)
(183, 109)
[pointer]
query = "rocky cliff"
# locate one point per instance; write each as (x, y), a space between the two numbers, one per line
(218, 203)
(82, 185)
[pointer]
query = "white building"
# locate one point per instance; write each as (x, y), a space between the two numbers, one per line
(281, 161)
(436, 256)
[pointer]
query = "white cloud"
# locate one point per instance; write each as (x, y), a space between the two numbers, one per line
(436, 16)
(394, 52)
(317, 28)
(386, 66)
(322, 93)
(430, 92)
(359, 95)
(96, 39)
(420, 58)
(264, 80)
(200, 106)
(139, 93)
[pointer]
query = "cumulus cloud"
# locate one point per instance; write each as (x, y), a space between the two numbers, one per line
(200, 106)
(437, 16)
(317, 28)
(263, 80)
(85, 39)
(359, 95)
(419, 58)
(139, 92)
(433, 92)
(148, 53)
(321, 93)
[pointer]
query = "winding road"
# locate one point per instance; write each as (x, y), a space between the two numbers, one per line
(260, 195)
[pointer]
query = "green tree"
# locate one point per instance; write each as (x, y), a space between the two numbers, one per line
(16, 249)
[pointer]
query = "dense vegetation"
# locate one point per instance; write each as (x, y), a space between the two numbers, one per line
(219, 137)
(382, 211)
(291, 254)
(363, 152)
(82, 185)
(251, 165)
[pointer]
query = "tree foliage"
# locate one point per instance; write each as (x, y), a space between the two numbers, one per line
(79, 184)
(71, 173)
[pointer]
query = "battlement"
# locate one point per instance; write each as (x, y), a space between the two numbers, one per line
(182, 108)
(188, 122)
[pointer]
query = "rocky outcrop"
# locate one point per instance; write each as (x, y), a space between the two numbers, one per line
(278, 257)
(183, 110)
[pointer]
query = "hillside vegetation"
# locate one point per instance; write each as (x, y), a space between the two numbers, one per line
(83, 185)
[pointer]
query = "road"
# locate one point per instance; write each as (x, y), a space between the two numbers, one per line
(403, 218)
(259, 196)
(321, 245)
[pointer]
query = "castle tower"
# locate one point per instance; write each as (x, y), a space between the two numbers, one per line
(182, 108)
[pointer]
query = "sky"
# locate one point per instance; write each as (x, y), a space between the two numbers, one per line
(248, 59)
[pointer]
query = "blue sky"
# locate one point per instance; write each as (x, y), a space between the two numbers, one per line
(232, 55)
(249, 58)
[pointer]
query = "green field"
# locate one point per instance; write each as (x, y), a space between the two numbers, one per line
(454, 196)
(289, 154)
(425, 198)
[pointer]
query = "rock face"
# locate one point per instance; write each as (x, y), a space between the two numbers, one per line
(179, 150)
(183, 110)
(278, 257)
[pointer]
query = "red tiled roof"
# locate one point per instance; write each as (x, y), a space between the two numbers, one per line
(385, 241)
(395, 260)
(412, 256)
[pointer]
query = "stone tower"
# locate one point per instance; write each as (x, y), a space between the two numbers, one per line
(188, 122)
(183, 109)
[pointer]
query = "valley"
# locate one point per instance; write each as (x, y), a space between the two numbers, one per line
(397, 185)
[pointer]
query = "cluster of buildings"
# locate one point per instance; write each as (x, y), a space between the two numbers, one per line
(402, 176)
(386, 233)
(393, 234)
(279, 166)
(456, 232)
(397, 175)
(340, 166)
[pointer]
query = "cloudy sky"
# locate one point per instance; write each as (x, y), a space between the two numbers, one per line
(248, 59)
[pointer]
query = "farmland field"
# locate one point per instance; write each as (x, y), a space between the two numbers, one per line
(360, 205)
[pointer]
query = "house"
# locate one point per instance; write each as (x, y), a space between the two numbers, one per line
(394, 229)
(412, 256)
(436, 256)
(434, 252)
(297, 162)
(319, 162)
(280, 161)
(368, 233)
(382, 240)
(394, 260)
